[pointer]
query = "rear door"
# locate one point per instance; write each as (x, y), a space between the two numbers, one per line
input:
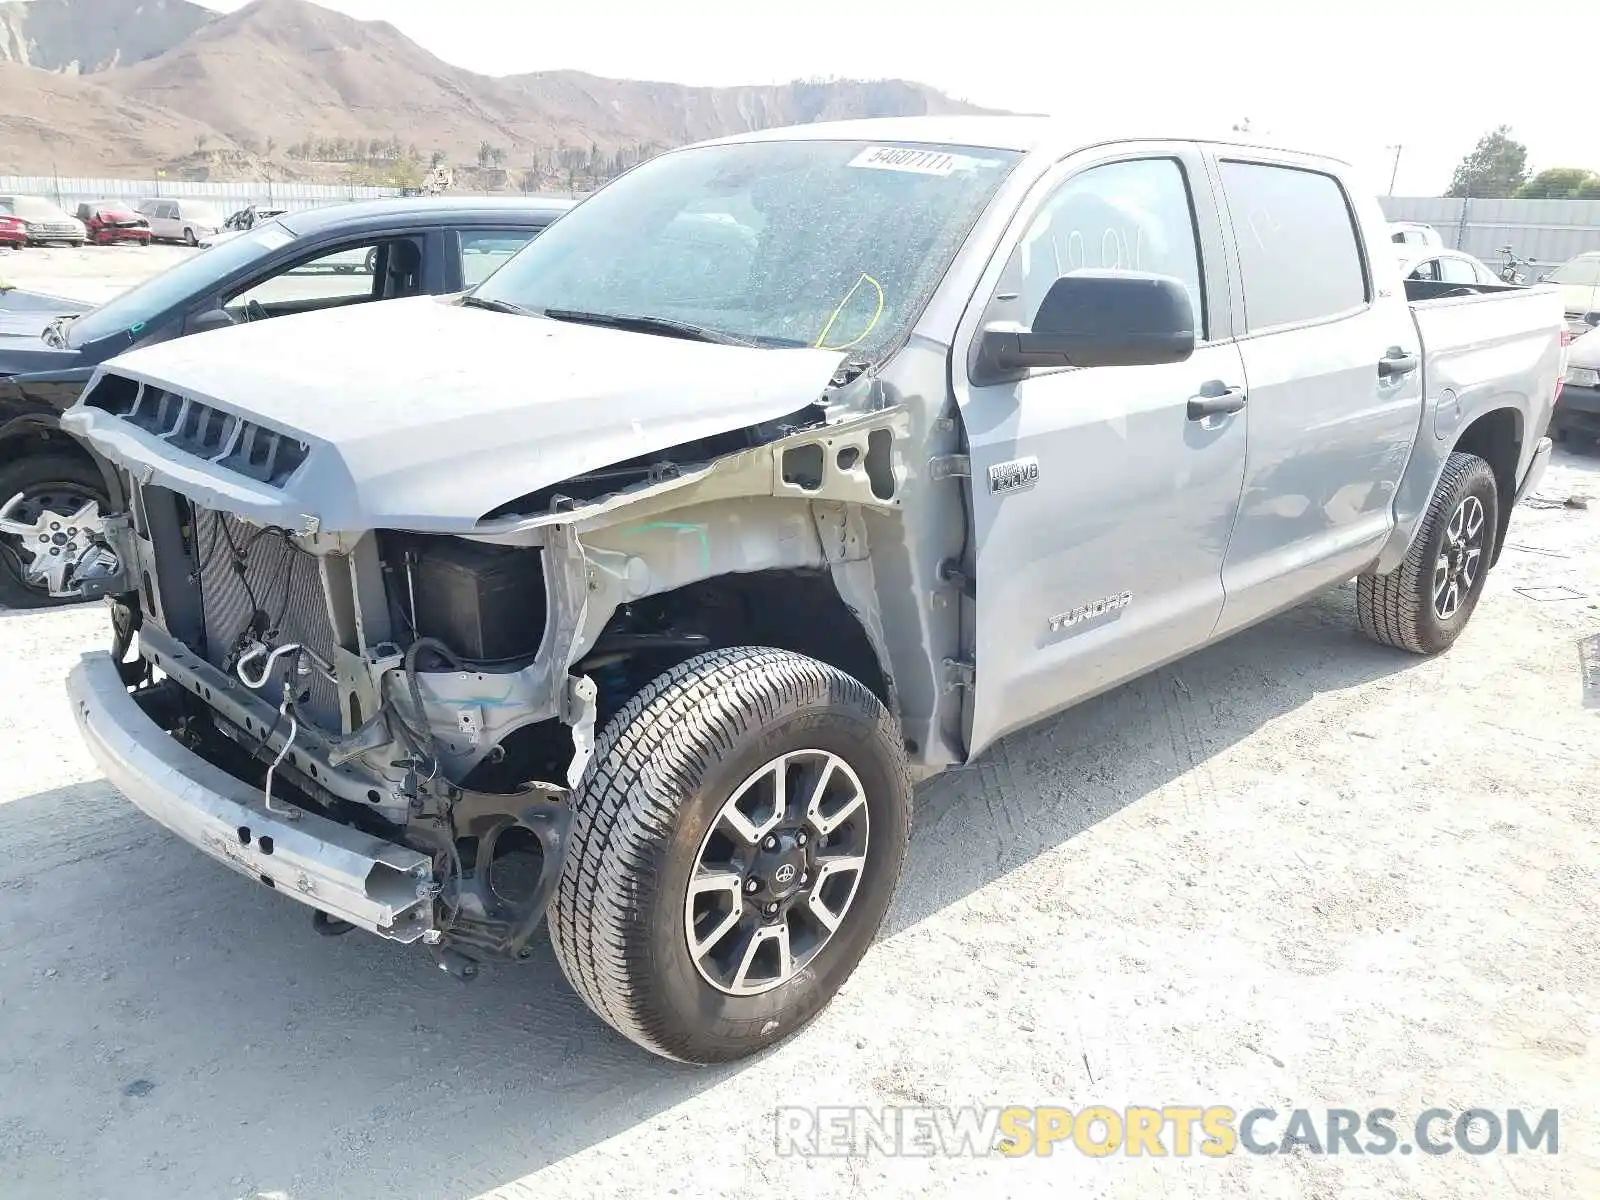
(1333, 369)
(1101, 509)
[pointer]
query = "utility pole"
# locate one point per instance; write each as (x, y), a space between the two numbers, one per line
(1395, 173)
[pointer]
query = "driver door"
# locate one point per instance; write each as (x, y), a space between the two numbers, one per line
(333, 277)
(1101, 505)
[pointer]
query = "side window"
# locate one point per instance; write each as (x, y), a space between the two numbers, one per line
(349, 275)
(1298, 251)
(485, 251)
(169, 210)
(1132, 216)
(1457, 270)
(1427, 270)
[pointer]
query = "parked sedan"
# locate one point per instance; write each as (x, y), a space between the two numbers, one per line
(1579, 281)
(1436, 264)
(294, 264)
(1578, 401)
(13, 232)
(111, 221)
(43, 221)
(180, 220)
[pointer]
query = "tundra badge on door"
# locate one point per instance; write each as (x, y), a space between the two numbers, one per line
(1088, 612)
(1017, 475)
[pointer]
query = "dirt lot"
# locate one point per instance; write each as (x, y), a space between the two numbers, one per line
(1296, 870)
(92, 274)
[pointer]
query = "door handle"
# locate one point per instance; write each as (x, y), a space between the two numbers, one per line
(1215, 400)
(1396, 363)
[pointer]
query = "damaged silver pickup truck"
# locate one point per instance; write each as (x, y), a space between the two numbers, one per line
(630, 592)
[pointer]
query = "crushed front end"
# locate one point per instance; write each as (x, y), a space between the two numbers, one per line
(363, 661)
(361, 721)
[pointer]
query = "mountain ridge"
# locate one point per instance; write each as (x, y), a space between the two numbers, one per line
(292, 87)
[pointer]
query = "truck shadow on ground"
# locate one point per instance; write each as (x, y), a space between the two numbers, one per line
(217, 1047)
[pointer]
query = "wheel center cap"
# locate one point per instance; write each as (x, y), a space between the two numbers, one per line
(781, 868)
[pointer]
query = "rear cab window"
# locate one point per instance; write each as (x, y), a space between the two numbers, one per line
(1299, 254)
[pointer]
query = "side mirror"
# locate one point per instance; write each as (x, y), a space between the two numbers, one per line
(211, 318)
(1094, 318)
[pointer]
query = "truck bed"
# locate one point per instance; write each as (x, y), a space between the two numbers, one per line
(1488, 350)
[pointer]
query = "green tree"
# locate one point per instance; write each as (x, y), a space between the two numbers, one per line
(436, 159)
(1555, 183)
(485, 153)
(1590, 189)
(1495, 169)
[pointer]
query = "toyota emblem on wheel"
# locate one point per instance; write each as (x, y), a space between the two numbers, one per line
(784, 874)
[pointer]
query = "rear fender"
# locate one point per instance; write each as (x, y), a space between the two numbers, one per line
(1495, 431)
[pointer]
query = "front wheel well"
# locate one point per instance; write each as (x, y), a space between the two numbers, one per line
(796, 610)
(1496, 437)
(26, 436)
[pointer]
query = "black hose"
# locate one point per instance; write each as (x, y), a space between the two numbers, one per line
(425, 732)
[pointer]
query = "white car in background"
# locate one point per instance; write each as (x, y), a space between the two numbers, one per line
(1579, 281)
(180, 220)
(1440, 265)
(44, 221)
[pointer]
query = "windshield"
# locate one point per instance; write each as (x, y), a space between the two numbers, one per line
(1579, 270)
(190, 277)
(783, 243)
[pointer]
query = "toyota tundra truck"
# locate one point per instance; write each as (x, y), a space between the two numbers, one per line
(629, 593)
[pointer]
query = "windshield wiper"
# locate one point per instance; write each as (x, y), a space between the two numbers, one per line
(55, 333)
(642, 324)
(493, 305)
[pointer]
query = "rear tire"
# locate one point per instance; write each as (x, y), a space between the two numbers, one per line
(1424, 603)
(189, 238)
(653, 811)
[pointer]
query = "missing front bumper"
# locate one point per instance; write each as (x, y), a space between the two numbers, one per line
(382, 887)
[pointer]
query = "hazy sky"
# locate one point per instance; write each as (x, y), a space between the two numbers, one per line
(1349, 78)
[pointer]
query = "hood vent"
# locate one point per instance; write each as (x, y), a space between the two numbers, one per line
(186, 424)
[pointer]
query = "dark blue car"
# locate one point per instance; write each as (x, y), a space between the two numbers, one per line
(52, 492)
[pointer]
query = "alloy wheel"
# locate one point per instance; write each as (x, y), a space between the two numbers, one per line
(1460, 558)
(776, 872)
(51, 532)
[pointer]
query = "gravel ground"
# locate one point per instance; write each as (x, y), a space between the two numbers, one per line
(92, 274)
(1293, 870)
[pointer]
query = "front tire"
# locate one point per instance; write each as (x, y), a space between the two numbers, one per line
(59, 483)
(684, 863)
(189, 238)
(1424, 603)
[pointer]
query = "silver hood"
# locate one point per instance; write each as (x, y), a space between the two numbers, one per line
(420, 414)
